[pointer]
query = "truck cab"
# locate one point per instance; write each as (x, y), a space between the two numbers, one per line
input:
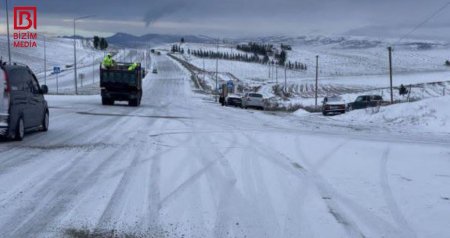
(119, 83)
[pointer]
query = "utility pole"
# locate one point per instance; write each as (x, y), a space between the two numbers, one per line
(75, 51)
(217, 67)
(75, 56)
(204, 72)
(390, 73)
(285, 79)
(317, 78)
(276, 73)
(93, 68)
(7, 29)
(45, 61)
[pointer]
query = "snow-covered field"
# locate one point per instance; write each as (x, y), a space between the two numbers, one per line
(182, 166)
(349, 66)
(59, 53)
(429, 115)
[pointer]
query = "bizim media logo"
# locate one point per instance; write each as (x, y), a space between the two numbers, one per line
(25, 26)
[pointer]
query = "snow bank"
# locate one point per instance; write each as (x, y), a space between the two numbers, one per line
(431, 115)
(301, 113)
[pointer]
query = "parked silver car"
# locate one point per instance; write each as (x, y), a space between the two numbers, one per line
(253, 100)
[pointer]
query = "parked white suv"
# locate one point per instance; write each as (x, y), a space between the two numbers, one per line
(253, 100)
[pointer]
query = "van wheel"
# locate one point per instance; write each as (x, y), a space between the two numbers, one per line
(20, 130)
(45, 122)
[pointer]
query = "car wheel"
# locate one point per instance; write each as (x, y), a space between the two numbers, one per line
(325, 114)
(20, 130)
(45, 121)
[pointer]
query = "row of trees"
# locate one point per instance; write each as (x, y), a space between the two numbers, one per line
(177, 49)
(250, 58)
(255, 48)
(100, 43)
(285, 47)
(228, 56)
(265, 50)
(296, 65)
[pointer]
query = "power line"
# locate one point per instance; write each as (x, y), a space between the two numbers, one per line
(424, 22)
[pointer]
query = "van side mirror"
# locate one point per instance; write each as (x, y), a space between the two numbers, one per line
(44, 89)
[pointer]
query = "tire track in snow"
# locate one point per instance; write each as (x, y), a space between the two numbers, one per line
(54, 198)
(390, 199)
(31, 181)
(222, 180)
(57, 191)
(341, 217)
(372, 221)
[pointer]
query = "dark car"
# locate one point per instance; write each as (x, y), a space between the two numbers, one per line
(234, 100)
(22, 104)
(366, 101)
(333, 105)
(121, 83)
(155, 71)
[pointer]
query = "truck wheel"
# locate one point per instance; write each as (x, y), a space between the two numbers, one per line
(20, 130)
(133, 103)
(106, 101)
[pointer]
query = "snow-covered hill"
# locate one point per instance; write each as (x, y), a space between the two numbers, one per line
(347, 65)
(59, 53)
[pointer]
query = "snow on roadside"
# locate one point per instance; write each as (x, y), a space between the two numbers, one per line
(301, 113)
(429, 115)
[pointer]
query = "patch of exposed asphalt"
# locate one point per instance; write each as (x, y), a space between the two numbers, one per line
(297, 166)
(85, 233)
(86, 147)
(129, 115)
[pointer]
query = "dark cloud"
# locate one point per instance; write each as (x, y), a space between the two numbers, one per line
(262, 17)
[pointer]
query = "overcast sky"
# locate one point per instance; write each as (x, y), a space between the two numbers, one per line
(237, 18)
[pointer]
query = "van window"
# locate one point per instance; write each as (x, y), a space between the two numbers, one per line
(17, 80)
(34, 84)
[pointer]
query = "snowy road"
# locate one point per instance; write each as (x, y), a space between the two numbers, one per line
(181, 166)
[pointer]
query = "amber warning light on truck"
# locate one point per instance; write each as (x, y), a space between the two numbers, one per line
(25, 26)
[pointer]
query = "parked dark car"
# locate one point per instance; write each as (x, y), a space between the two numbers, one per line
(333, 105)
(155, 71)
(22, 104)
(234, 100)
(366, 101)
